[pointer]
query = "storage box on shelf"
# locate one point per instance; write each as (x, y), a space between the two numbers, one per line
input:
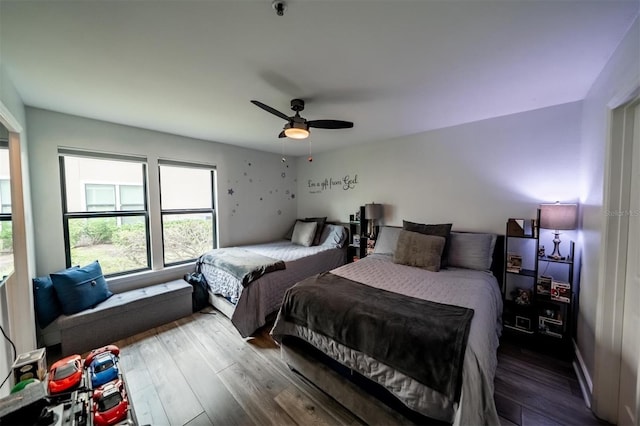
(538, 291)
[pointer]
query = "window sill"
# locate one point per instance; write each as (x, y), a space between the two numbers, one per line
(128, 282)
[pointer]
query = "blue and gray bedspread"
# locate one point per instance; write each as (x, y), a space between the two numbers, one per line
(245, 265)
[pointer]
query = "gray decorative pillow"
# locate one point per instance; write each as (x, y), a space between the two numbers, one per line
(441, 230)
(419, 250)
(472, 251)
(387, 240)
(304, 233)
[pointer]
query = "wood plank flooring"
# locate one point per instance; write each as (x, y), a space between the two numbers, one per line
(199, 371)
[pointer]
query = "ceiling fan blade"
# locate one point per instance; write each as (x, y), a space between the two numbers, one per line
(271, 110)
(282, 135)
(330, 124)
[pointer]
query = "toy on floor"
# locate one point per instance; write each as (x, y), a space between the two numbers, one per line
(65, 375)
(110, 404)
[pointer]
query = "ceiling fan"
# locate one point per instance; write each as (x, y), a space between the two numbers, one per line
(298, 127)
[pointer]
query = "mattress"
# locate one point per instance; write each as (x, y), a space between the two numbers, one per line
(477, 290)
(253, 304)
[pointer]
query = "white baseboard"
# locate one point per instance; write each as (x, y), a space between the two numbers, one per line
(586, 384)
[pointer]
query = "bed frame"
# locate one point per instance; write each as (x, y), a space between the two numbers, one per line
(355, 392)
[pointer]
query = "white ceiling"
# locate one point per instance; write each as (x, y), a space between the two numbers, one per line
(393, 67)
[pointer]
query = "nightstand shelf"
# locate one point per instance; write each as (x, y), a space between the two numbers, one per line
(357, 228)
(538, 292)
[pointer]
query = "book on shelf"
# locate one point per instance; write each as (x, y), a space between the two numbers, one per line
(560, 291)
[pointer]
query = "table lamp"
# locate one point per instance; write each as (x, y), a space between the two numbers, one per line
(558, 217)
(372, 212)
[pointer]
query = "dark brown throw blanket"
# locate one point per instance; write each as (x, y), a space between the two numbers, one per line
(245, 265)
(422, 339)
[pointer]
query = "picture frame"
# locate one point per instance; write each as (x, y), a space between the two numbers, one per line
(356, 240)
(523, 323)
(560, 291)
(543, 286)
(514, 262)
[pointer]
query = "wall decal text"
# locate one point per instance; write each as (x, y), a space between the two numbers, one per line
(345, 183)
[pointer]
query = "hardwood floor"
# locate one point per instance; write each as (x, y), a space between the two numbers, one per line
(199, 371)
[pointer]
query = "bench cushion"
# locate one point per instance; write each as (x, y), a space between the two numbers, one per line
(123, 315)
(130, 300)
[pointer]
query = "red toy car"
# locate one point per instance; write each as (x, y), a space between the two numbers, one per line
(65, 375)
(110, 404)
(109, 348)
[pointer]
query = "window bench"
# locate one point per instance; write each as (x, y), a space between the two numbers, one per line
(122, 315)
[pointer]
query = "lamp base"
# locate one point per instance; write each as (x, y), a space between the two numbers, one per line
(556, 248)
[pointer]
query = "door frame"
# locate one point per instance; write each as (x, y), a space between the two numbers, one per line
(613, 258)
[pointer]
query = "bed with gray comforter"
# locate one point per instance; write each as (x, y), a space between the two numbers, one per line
(471, 289)
(249, 302)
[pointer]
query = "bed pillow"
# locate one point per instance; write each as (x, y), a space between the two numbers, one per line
(333, 236)
(472, 251)
(45, 300)
(320, 227)
(80, 288)
(387, 240)
(304, 233)
(440, 230)
(419, 250)
(317, 237)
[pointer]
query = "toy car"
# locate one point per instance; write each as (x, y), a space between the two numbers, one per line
(65, 375)
(103, 368)
(109, 348)
(110, 404)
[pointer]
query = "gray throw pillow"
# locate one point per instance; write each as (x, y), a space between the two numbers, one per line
(441, 230)
(472, 251)
(304, 233)
(320, 221)
(419, 250)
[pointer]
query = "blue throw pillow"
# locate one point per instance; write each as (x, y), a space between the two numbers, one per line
(81, 288)
(47, 305)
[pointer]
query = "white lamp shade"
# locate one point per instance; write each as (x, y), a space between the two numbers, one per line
(558, 216)
(373, 211)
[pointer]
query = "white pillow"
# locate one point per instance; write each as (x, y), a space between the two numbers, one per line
(387, 240)
(303, 233)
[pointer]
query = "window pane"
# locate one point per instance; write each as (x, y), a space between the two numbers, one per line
(185, 188)
(131, 197)
(186, 236)
(119, 247)
(97, 175)
(5, 195)
(6, 248)
(100, 198)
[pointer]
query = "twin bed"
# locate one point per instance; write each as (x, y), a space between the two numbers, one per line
(251, 305)
(424, 342)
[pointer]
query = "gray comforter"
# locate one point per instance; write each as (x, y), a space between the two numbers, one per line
(424, 339)
(245, 265)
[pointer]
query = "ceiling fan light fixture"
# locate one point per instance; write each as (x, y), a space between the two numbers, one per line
(296, 132)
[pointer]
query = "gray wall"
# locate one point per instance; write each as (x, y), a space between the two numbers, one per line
(475, 175)
(260, 208)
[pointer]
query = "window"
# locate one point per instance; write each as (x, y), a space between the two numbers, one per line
(105, 211)
(6, 228)
(187, 206)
